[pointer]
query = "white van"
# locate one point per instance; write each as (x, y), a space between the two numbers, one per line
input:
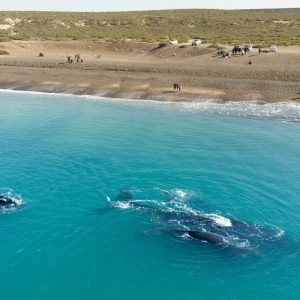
(173, 42)
(249, 47)
(196, 42)
(273, 48)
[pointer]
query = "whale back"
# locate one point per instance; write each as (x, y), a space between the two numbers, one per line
(124, 195)
(209, 237)
(4, 201)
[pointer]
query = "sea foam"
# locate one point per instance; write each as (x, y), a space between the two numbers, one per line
(283, 111)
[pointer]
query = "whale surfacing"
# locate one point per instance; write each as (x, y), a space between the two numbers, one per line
(212, 228)
(209, 237)
(125, 195)
(7, 202)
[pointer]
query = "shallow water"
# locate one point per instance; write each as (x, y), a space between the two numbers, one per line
(65, 156)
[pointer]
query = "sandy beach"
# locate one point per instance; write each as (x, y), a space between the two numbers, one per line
(148, 71)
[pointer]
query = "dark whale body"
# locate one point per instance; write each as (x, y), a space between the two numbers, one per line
(209, 228)
(209, 237)
(125, 195)
(6, 202)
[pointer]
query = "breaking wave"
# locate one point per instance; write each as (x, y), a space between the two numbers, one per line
(283, 111)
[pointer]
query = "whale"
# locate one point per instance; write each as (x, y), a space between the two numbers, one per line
(8, 202)
(209, 228)
(209, 237)
(126, 196)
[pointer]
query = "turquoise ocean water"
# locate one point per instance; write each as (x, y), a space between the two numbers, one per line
(67, 158)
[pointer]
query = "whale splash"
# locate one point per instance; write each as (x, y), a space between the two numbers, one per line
(9, 200)
(175, 216)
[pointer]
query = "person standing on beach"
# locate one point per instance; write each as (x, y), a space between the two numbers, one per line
(259, 50)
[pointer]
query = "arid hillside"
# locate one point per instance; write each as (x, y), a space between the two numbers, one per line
(264, 27)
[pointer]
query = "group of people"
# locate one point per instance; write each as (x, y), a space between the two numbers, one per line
(236, 50)
(240, 50)
(226, 55)
(177, 87)
(77, 58)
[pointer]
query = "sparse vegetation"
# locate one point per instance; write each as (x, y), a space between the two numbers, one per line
(214, 46)
(277, 26)
(3, 52)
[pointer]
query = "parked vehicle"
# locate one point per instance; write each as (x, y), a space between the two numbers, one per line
(248, 47)
(273, 48)
(196, 42)
(173, 42)
(237, 48)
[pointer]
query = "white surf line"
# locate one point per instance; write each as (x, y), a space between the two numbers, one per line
(244, 109)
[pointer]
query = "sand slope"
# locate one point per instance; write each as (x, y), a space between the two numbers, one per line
(142, 70)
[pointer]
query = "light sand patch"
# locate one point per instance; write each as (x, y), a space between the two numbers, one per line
(5, 26)
(52, 82)
(21, 44)
(190, 90)
(204, 91)
(134, 86)
(143, 86)
(106, 84)
(83, 84)
(12, 22)
(9, 23)
(79, 23)
(114, 85)
(252, 96)
(283, 22)
(61, 23)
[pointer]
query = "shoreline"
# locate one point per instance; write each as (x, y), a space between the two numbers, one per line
(58, 89)
(139, 90)
(165, 96)
(150, 73)
(287, 112)
(103, 96)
